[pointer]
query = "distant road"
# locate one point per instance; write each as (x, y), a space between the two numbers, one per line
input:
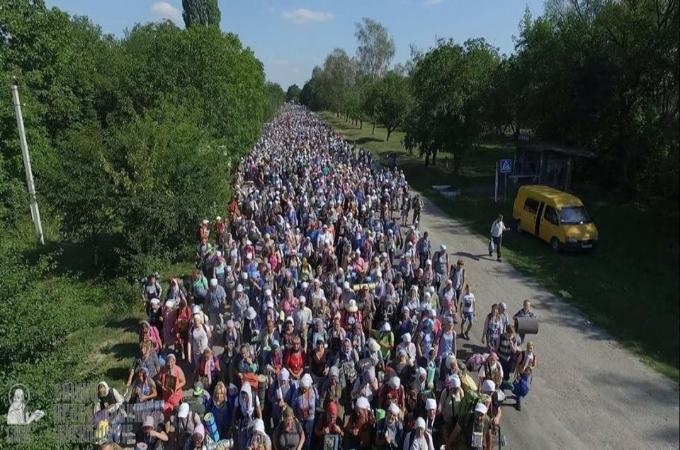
(588, 392)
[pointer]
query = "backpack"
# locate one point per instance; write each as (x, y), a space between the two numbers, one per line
(467, 405)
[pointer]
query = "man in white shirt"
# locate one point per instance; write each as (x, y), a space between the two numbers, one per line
(497, 229)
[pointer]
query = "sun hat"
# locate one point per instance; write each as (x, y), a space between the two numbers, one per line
(258, 425)
(149, 422)
(306, 381)
(352, 307)
(183, 410)
(488, 386)
(453, 381)
(284, 375)
(420, 423)
(394, 409)
(362, 403)
(250, 313)
(481, 408)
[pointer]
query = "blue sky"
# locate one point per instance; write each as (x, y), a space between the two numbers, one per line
(291, 37)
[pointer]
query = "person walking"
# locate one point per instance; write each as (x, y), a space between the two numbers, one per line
(497, 230)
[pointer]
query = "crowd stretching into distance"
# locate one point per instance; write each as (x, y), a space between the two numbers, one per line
(319, 316)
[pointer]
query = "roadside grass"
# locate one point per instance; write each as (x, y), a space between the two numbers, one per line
(628, 286)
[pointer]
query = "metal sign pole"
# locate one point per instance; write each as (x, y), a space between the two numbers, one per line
(495, 189)
(35, 212)
(505, 190)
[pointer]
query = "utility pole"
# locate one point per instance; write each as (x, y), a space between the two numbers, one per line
(35, 212)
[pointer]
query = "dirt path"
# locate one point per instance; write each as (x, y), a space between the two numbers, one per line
(588, 392)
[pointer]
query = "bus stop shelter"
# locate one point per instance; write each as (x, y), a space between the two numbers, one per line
(549, 164)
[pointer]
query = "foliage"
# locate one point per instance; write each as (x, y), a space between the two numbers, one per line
(293, 93)
(275, 98)
(448, 85)
(201, 12)
(149, 123)
(376, 48)
(392, 98)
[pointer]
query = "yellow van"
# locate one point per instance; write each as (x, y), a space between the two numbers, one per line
(554, 216)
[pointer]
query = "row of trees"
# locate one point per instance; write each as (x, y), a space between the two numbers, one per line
(132, 139)
(598, 75)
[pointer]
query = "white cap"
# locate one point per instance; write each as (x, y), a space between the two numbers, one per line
(250, 313)
(406, 337)
(155, 301)
(386, 327)
(443, 247)
(302, 299)
(206, 221)
(362, 403)
(488, 386)
(284, 375)
(305, 285)
(258, 425)
(373, 345)
(481, 408)
(346, 285)
(218, 218)
(196, 309)
(213, 282)
(394, 409)
(306, 381)
(239, 288)
(183, 411)
(420, 423)
(395, 382)
(430, 404)
(267, 292)
(454, 381)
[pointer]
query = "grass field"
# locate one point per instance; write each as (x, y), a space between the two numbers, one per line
(628, 286)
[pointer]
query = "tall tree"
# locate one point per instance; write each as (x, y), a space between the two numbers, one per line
(391, 101)
(376, 48)
(448, 85)
(201, 12)
(293, 93)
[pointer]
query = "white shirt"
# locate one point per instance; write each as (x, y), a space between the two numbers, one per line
(468, 302)
(497, 228)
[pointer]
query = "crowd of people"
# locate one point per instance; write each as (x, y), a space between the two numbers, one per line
(319, 316)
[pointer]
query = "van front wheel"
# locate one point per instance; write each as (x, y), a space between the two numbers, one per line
(556, 245)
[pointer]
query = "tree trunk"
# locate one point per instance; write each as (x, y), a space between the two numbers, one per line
(361, 124)
(427, 158)
(434, 157)
(373, 132)
(389, 132)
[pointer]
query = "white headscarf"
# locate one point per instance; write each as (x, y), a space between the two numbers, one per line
(247, 410)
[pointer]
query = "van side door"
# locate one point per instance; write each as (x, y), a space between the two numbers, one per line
(528, 216)
(550, 226)
(537, 222)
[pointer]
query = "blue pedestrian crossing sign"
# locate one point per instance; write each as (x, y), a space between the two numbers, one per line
(505, 165)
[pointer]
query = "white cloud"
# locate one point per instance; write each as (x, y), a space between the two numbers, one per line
(164, 10)
(302, 15)
(433, 2)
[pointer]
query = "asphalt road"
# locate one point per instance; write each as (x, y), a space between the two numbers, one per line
(588, 392)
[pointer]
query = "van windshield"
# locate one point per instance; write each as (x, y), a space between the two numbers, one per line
(574, 215)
